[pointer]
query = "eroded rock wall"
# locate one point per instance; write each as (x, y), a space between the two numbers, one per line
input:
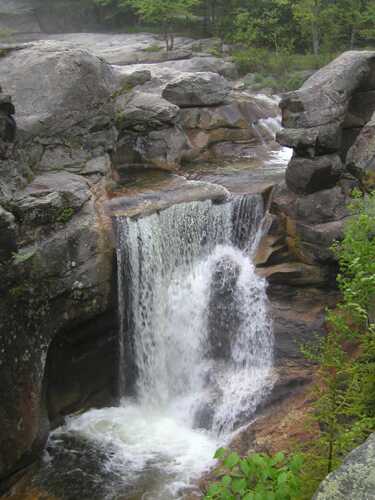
(329, 125)
(58, 325)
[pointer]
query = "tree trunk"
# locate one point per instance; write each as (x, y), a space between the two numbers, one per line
(171, 41)
(315, 39)
(352, 38)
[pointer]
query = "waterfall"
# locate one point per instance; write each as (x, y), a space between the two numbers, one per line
(195, 356)
(194, 316)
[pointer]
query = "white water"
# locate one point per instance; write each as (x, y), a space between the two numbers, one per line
(201, 339)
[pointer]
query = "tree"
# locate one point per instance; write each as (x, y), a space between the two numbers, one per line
(164, 13)
(346, 22)
(265, 24)
(310, 15)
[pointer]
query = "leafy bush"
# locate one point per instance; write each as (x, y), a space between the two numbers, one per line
(260, 60)
(65, 215)
(256, 477)
(344, 407)
(153, 48)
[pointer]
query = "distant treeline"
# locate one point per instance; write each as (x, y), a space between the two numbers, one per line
(293, 25)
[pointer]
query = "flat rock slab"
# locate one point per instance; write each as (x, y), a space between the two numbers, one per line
(171, 190)
(124, 49)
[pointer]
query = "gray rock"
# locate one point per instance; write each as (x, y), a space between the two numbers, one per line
(308, 175)
(55, 87)
(165, 72)
(100, 165)
(228, 115)
(298, 316)
(51, 198)
(197, 89)
(241, 113)
(324, 100)
(317, 208)
(130, 77)
(8, 242)
(57, 290)
(296, 274)
(355, 479)
(325, 96)
(361, 108)
(141, 111)
(361, 157)
(173, 191)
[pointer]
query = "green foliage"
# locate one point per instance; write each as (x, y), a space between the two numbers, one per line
(344, 410)
(280, 72)
(152, 48)
(65, 215)
(21, 257)
(166, 14)
(256, 477)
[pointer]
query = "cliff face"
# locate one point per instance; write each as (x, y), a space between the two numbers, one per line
(328, 124)
(57, 259)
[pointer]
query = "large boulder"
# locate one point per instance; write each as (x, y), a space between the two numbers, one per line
(51, 198)
(65, 111)
(361, 156)
(56, 87)
(324, 98)
(355, 479)
(307, 175)
(197, 89)
(141, 111)
(326, 124)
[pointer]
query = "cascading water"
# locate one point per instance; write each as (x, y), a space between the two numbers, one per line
(196, 349)
(175, 264)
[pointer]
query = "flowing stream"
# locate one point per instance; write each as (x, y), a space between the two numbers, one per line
(195, 353)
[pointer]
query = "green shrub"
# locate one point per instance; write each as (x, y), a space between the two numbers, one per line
(260, 60)
(256, 477)
(65, 215)
(344, 397)
(153, 48)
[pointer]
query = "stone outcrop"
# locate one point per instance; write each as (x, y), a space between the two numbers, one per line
(328, 124)
(57, 293)
(197, 89)
(361, 156)
(355, 478)
(154, 132)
